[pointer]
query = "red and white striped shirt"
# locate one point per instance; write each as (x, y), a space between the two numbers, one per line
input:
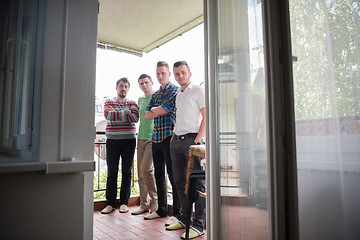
(121, 122)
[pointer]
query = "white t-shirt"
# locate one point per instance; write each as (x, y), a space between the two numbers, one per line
(188, 105)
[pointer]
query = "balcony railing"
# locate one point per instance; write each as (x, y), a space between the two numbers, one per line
(101, 170)
(100, 174)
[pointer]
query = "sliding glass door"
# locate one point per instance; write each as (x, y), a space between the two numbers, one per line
(283, 119)
(237, 132)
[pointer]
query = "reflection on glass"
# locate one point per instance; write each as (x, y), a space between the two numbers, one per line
(18, 31)
(241, 103)
(325, 42)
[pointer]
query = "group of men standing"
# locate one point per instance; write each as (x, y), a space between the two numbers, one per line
(171, 119)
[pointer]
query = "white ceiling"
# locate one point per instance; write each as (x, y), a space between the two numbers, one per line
(139, 26)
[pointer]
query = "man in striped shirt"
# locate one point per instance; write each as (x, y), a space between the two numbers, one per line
(121, 115)
(162, 109)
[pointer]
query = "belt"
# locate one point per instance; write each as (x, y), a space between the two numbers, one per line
(185, 136)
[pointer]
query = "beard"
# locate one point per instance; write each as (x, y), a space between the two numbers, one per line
(122, 94)
(184, 84)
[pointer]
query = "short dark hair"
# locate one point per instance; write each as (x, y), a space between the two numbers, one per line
(124, 79)
(162, 64)
(179, 63)
(142, 76)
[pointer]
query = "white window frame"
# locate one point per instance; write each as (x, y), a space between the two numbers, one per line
(66, 90)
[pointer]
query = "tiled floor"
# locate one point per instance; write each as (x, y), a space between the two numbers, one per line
(126, 226)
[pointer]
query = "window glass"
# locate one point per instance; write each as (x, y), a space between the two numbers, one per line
(325, 45)
(241, 117)
(17, 60)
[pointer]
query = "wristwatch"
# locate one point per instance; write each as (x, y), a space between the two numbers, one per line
(196, 142)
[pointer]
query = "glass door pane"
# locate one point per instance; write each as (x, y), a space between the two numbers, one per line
(241, 121)
(326, 49)
(17, 80)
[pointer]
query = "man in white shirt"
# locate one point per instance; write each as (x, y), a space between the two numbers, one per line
(189, 130)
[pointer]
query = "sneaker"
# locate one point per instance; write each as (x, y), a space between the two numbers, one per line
(152, 215)
(192, 234)
(123, 208)
(138, 211)
(171, 221)
(175, 226)
(107, 209)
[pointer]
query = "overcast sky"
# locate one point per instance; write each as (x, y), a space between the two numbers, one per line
(113, 65)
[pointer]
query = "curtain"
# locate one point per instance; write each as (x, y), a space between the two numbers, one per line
(326, 52)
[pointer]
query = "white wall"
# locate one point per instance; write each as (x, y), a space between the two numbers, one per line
(329, 186)
(36, 206)
(59, 206)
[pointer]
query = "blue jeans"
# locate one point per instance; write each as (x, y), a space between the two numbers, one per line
(161, 157)
(116, 148)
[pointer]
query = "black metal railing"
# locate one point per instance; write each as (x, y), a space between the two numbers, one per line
(101, 166)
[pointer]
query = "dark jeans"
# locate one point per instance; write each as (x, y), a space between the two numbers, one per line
(161, 157)
(180, 156)
(116, 148)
